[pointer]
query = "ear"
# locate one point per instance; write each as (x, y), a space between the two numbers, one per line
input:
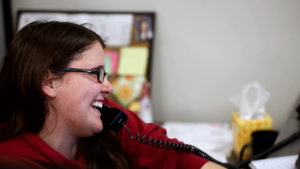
(48, 87)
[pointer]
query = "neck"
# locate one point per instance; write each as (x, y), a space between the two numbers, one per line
(56, 137)
(61, 144)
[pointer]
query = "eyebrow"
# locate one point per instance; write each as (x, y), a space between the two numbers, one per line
(101, 66)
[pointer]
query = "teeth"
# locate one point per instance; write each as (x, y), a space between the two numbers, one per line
(97, 104)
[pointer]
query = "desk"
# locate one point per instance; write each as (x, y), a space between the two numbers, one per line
(291, 126)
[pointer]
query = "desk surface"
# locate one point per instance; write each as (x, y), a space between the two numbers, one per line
(291, 126)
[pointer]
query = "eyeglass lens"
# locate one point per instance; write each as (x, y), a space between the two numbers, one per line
(101, 74)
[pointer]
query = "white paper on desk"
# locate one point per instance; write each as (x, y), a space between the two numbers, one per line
(115, 28)
(215, 139)
(286, 162)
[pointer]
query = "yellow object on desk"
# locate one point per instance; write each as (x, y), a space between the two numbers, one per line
(242, 130)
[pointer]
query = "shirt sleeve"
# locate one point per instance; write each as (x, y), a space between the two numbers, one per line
(142, 155)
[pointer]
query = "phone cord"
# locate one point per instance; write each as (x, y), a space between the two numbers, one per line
(177, 146)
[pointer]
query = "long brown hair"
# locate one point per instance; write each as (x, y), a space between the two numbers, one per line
(36, 48)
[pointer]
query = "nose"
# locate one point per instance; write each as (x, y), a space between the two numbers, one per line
(107, 88)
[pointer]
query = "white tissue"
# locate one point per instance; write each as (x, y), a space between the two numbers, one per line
(251, 101)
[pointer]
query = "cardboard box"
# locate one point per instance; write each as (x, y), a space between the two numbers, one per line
(242, 130)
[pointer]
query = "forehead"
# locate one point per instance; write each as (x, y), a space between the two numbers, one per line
(92, 57)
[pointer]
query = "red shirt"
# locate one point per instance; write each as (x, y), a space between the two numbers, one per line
(29, 151)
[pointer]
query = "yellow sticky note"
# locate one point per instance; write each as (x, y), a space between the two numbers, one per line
(133, 61)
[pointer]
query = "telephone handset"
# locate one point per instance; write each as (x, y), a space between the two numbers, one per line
(114, 119)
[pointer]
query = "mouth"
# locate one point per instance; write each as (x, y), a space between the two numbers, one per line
(97, 105)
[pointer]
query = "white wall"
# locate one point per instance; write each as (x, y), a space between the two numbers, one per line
(206, 50)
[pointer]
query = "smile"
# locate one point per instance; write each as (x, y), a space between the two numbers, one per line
(97, 105)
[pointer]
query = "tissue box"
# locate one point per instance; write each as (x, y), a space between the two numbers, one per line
(242, 130)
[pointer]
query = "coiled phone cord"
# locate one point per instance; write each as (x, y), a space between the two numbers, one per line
(177, 146)
(115, 120)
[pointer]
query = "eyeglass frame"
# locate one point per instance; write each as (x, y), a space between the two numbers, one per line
(93, 71)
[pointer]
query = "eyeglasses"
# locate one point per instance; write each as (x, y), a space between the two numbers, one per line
(101, 74)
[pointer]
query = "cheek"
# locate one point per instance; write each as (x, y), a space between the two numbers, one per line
(83, 89)
(78, 93)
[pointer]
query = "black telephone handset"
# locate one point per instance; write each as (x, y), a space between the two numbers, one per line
(114, 119)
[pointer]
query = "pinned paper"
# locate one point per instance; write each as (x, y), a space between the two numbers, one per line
(116, 27)
(145, 111)
(108, 64)
(127, 89)
(114, 60)
(133, 61)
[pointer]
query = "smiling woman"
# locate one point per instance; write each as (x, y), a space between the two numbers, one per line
(37, 98)
(52, 80)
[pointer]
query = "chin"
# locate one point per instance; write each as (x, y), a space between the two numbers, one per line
(98, 128)
(92, 130)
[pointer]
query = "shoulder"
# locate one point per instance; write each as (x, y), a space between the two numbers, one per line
(12, 145)
(10, 161)
(16, 145)
(15, 152)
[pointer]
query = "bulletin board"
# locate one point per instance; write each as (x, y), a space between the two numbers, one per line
(128, 55)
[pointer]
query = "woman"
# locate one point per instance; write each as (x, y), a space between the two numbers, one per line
(51, 82)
